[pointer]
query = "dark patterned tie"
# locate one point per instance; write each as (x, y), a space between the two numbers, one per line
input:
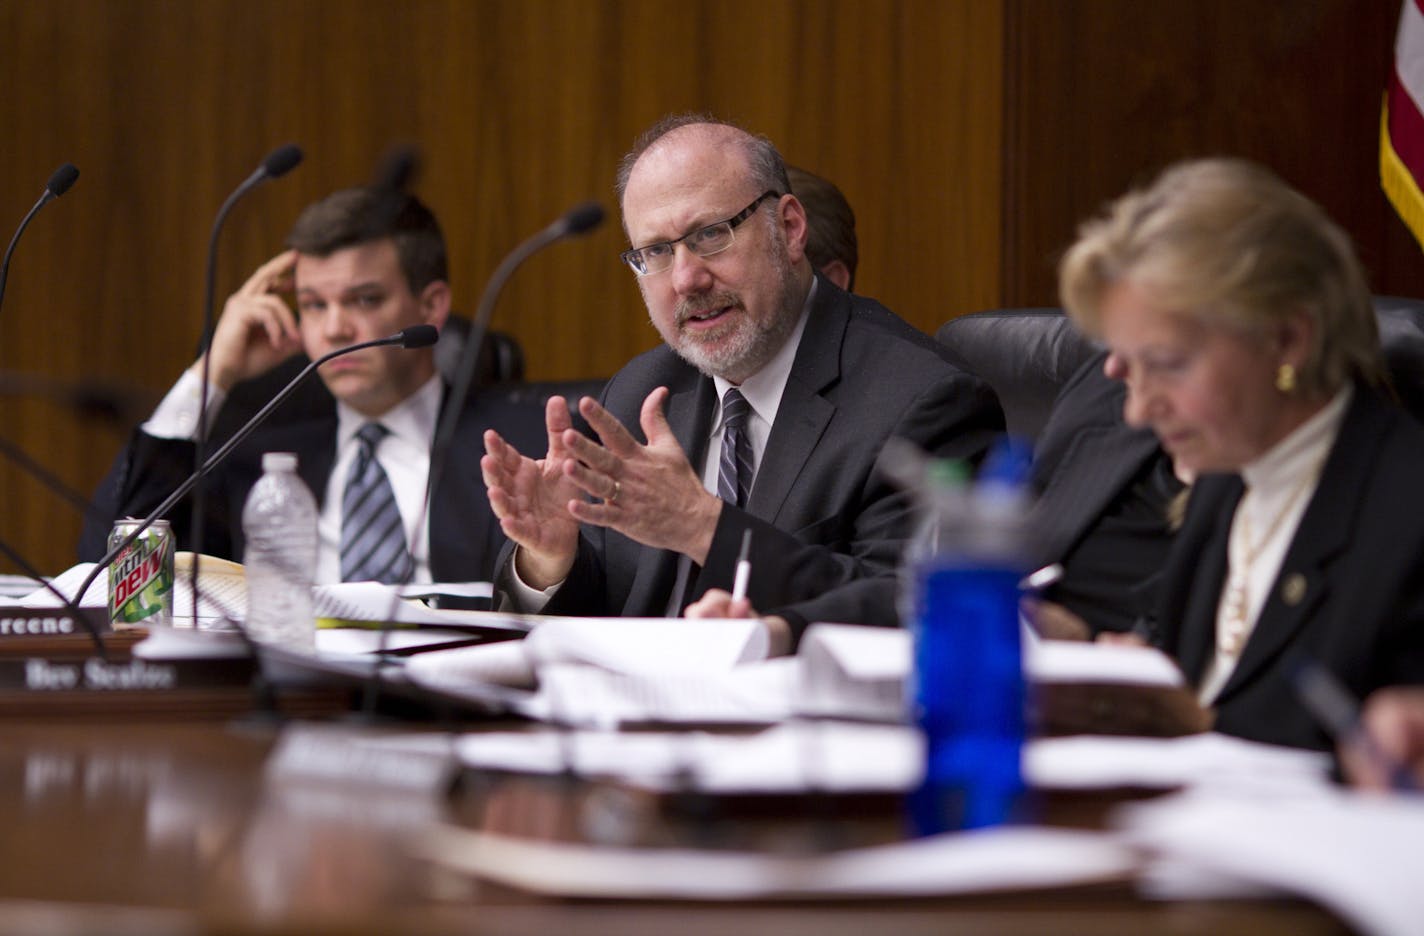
(734, 478)
(373, 547)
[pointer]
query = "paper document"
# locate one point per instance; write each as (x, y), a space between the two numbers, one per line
(989, 860)
(376, 603)
(1100, 762)
(223, 589)
(623, 645)
(854, 672)
(221, 584)
(573, 694)
(1357, 853)
(1084, 662)
(797, 757)
(600, 671)
(187, 643)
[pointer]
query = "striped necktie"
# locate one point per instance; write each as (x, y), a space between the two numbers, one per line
(373, 547)
(734, 478)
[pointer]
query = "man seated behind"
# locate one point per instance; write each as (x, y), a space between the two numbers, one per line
(764, 410)
(831, 244)
(363, 264)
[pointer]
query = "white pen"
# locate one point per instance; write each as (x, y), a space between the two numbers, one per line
(1044, 577)
(744, 568)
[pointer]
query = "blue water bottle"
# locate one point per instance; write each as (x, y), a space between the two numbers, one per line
(961, 601)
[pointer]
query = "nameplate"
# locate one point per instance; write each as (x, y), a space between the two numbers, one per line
(48, 622)
(46, 675)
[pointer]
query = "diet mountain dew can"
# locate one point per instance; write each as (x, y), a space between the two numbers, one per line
(141, 577)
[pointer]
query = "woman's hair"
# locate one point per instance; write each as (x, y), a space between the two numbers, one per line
(1227, 242)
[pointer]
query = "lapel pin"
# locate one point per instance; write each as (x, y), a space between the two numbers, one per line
(1293, 589)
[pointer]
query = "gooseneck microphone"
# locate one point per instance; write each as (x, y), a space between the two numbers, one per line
(416, 336)
(575, 222)
(59, 183)
(278, 163)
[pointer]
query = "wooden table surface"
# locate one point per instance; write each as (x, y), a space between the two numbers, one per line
(158, 828)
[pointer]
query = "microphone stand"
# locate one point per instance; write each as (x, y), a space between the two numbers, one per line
(278, 163)
(577, 221)
(59, 183)
(415, 336)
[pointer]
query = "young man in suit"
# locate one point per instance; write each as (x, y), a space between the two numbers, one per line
(764, 410)
(361, 264)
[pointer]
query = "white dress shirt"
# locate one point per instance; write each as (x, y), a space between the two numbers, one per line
(762, 392)
(404, 454)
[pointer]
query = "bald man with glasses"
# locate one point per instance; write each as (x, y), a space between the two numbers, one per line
(763, 411)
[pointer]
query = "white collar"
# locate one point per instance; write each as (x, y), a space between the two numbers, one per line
(1302, 452)
(763, 389)
(412, 419)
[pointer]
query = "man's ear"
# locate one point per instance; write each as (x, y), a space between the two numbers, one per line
(435, 303)
(837, 272)
(792, 215)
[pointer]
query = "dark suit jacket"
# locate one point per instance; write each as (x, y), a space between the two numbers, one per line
(1086, 458)
(464, 536)
(821, 515)
(1350, 593)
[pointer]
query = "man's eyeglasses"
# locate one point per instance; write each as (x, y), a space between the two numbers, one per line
(705, 241)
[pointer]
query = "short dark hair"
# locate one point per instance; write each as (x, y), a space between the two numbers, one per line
(829, 219)
(356, 216)
(767, 167)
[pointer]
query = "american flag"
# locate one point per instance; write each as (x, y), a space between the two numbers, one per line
(1402, 122)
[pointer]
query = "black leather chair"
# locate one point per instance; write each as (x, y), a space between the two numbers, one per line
(1026, 355)
(1401, 325)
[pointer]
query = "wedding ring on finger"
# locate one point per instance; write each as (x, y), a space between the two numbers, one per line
(617, 489)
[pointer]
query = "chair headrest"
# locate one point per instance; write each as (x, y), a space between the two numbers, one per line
(1025, 355)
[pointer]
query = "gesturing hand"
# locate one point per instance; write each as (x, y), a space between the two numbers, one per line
(649, 493)
(531, 499)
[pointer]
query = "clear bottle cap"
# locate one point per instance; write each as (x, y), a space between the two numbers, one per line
(279, 461)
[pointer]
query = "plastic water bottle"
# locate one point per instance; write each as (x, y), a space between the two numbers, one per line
(967, 692)
(279, 521)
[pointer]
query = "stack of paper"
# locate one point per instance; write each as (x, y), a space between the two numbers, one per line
(1358, 854)
(611, 671)
(996, 859)
(222, 589)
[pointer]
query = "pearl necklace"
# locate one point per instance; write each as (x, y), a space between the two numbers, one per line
(1235, 628)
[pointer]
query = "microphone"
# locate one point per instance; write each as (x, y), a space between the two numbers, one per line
(59, 183)
(574, 223)
(397, 169)
(416, 336)
(277, 163)
(577, 221)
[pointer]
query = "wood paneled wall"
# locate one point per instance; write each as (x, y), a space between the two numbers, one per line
(521, 108)
(971, 135)
(1101, 94)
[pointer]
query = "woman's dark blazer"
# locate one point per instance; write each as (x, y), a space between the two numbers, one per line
(1349, 595)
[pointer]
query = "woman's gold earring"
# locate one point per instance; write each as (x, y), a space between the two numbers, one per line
(1285, 378)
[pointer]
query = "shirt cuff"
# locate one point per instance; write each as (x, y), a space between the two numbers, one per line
(529, 599)
(177, 415)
